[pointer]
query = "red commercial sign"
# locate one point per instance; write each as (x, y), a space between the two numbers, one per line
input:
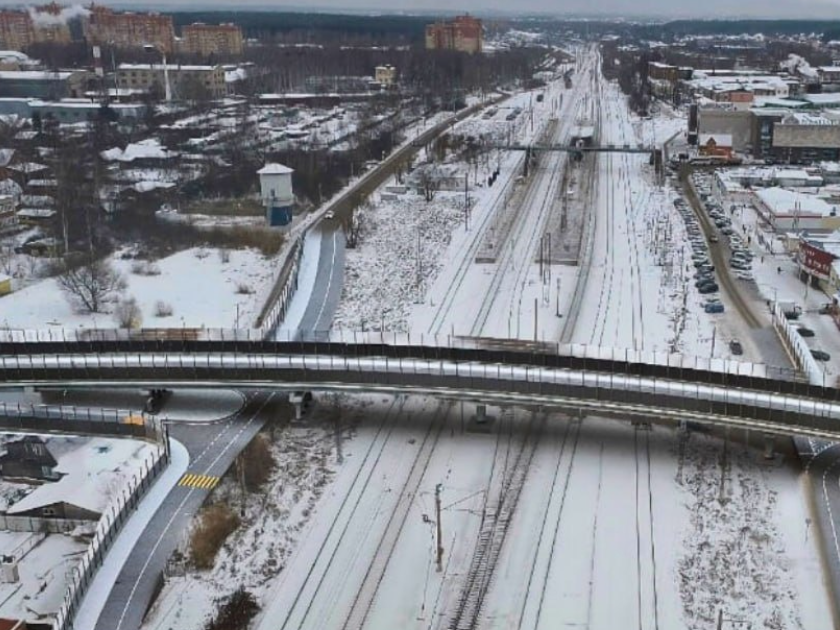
(815, 260)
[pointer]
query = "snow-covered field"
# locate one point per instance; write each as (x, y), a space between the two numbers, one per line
(205, 287)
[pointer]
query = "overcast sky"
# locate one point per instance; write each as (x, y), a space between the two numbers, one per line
(804, 9)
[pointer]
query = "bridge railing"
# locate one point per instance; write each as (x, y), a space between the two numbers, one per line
(493, 382)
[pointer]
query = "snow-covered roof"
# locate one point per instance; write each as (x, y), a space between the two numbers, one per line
(149, 149)
(36, 213)
(34, 75)
(6, 156)
(28, 167)
(170, 67)
(831, 98)
(94, 470)
(275, 169)
(802, 118)
(785, 202)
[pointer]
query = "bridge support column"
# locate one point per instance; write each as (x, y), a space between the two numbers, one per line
(769, 446)
(480, 422)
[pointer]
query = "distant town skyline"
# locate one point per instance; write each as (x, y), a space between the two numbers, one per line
(662, 9)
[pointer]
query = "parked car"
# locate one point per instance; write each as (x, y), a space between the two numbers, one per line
(713, 307)
(744, 275)
(708, 288)
(805, 332)
(820, 355)
(736, 348)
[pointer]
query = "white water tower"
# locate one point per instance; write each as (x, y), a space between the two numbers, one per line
(277, 194)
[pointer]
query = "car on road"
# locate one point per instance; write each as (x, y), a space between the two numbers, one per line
(736, 348)
(805, 332)
(714, 238)
(713, 307)
(820, 355)
(329, 215)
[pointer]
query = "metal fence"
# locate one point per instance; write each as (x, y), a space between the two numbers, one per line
(106, 533)
(36, 524)
(277, 312)
(19, 417)
(797, 348)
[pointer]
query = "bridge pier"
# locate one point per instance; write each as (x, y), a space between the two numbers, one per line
(480, 422)
(769, 446)
(301, 401)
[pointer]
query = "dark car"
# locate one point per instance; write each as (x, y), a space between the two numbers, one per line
(805, 332)
(707, 288)
(713, 307)
(820, 355)
(736, 348)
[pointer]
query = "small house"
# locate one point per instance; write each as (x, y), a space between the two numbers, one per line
(28, 458)
(716, 145)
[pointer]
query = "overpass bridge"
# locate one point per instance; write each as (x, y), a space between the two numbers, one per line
(623, 383)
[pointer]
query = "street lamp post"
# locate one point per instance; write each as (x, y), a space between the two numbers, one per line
(166, 86)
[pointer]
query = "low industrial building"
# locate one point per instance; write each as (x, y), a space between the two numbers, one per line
(186, 81)
(44, 84)
(791, 211)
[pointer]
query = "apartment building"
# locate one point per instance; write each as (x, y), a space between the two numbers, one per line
(464, 34)
(105, 27)
(212, 39)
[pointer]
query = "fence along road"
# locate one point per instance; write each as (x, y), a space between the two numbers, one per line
(497, 377)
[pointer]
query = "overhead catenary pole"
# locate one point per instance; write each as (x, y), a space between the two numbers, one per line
(439, 527)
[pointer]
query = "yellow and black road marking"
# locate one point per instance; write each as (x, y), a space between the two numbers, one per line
(205, 482)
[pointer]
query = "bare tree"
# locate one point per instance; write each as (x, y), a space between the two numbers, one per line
(89, 284)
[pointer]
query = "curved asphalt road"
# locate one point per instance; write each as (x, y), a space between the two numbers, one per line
(212, 449)
(328, 283)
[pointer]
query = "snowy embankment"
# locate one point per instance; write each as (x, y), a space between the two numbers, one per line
(205, 288)
(399, 255)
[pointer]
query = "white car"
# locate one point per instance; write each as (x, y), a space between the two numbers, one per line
(329, 215)
(744, 275)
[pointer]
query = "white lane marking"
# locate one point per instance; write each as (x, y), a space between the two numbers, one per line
(178, 511)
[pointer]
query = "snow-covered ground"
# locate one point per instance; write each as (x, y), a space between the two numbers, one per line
(203, 287)
(668, 528)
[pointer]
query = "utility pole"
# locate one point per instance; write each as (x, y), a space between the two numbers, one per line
(536, 319)
(714, 337)
(439, 560)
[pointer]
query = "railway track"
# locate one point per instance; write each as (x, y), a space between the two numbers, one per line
(644, 503)
(341, 522)
(369, 588)
(543, 526)
(492, 535)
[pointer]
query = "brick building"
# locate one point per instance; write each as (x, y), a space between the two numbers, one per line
(53, 27)
(16, 30)
(212, 39)
(465, 34)
(129, 30)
